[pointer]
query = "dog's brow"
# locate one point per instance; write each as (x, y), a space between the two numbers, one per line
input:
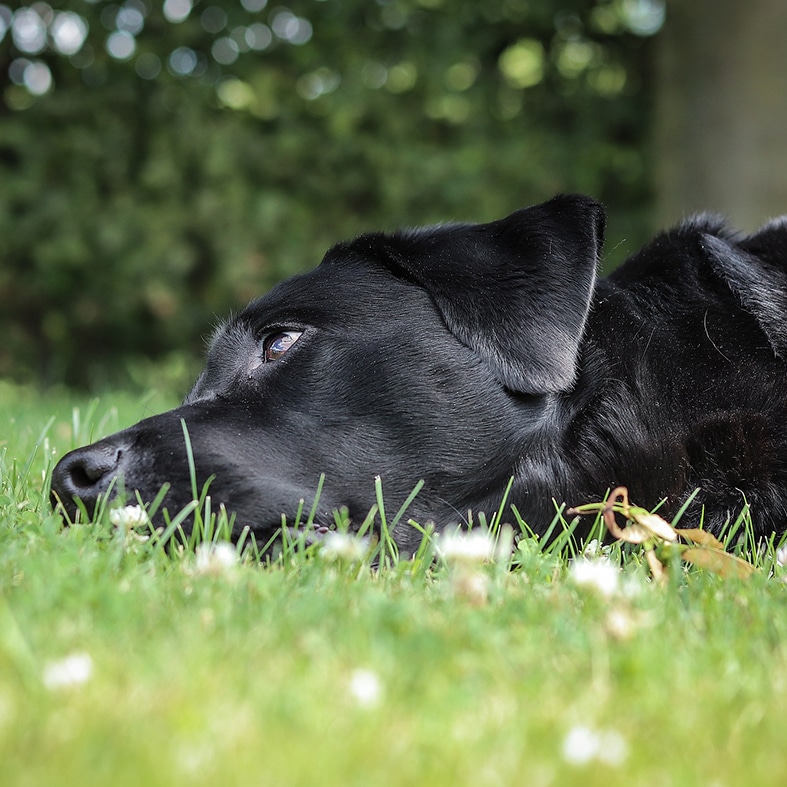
(231, 337)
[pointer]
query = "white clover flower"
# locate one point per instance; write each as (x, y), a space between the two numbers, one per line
(365, 688)
(594, 548)
(344, 546)
(583, 745)
(580, 746)
(129, 517)
(599, 575)
(73, 670)
(474, 546)
(217, 559)
(614, 748)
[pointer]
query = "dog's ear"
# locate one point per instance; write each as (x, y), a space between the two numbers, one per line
(516, 291)
(756, 271)
(769, 242)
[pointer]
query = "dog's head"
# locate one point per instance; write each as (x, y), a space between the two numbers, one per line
(431, 354)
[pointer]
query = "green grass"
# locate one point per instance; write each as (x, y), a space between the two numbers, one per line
(316, 671)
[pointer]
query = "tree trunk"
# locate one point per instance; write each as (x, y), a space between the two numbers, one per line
(721, 119)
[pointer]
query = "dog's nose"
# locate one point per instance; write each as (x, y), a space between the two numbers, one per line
(84, 474)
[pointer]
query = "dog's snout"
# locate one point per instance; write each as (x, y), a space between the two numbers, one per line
(85, 474)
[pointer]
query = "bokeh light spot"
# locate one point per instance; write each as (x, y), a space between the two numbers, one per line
(575, 57)
(291, 28)
(130, 19)
(148, 65)
(451, 108)
(28, 31)
(461, 76)
(236, 94)
(242, 38)
(318, 83)
(37, 77)
(522, 64)
(644, 17)
(260, 35)
(5, 20)
(182, 61)
(225, 51)
(402, 77)
(68, 31)
(121, 45)
(374, 75)
(177, 10)
(213, 19)
(609, 80)
(16, 71)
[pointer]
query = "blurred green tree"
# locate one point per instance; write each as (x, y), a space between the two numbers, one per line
(161, 163)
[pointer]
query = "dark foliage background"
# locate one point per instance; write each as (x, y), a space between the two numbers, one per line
(226, 144)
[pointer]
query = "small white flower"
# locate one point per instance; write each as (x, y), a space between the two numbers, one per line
(600, 575)
(594, 548)
(583, 745)
(580, 746)
(474, 546)
(215, 559)
(344, 546)
(365, 688)
(73, 670)
(613, 749)
(620, 623)
(129, 517)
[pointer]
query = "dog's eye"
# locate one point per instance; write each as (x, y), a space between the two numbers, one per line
(274, 345)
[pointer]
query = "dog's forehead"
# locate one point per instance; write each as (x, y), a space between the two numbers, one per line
(352, 287)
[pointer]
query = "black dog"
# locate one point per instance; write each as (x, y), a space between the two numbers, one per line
(465, 355)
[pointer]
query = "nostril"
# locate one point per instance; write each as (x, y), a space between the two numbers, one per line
(89, 468)
(81, 471)
(84, 475)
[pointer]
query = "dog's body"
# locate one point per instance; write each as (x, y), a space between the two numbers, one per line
(465, 355)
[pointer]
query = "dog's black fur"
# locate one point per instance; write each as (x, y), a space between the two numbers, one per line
(465, 355)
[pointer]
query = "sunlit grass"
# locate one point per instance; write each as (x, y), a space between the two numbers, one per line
(125, 659)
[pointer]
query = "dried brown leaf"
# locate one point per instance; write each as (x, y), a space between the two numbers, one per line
(633, 534)
(654, 523)
(661, 539)
(701, 537)
(656, 567)
(719, 562)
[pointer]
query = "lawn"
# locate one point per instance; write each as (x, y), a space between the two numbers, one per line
(121, 664)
